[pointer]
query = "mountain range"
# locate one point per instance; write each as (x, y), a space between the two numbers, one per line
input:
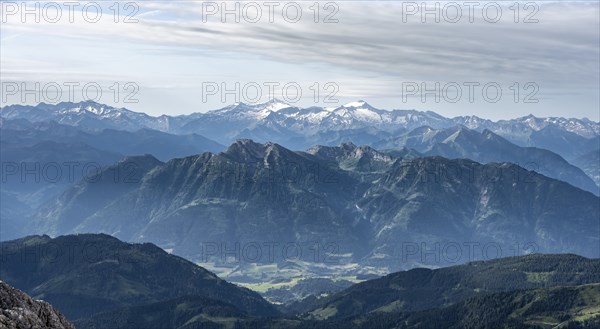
(297, 127)
(329, 196)
(41, 159)
(462, 143)
(104, 127)
(422, 182)
(98, 281)
(165, 146)
(344, 217)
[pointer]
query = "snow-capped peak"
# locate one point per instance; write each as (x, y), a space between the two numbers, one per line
(273, 105)
(252, 111)
(360, 110)
(359, 103)
(85, 107)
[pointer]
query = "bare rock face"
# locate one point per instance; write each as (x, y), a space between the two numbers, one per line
(19, 311)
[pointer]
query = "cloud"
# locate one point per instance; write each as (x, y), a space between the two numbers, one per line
(372, 38)
(560, 52)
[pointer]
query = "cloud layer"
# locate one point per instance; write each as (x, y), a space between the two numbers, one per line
(370, 51)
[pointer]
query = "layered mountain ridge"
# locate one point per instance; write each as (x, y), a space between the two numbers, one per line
(485, 147)
(265, 193)
(101, 282)
(276, 118)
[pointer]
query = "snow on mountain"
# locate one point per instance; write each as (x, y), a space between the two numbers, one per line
(356, 104)
(361, 111)
(274, 105)
(582, 127)
(280, 117)
(86, 114)
(255, 111)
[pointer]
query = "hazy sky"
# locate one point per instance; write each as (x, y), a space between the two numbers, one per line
(180, 56)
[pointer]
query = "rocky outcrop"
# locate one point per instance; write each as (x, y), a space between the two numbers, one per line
(18, 310)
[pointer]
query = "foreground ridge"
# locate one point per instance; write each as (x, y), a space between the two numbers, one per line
(19, 311)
